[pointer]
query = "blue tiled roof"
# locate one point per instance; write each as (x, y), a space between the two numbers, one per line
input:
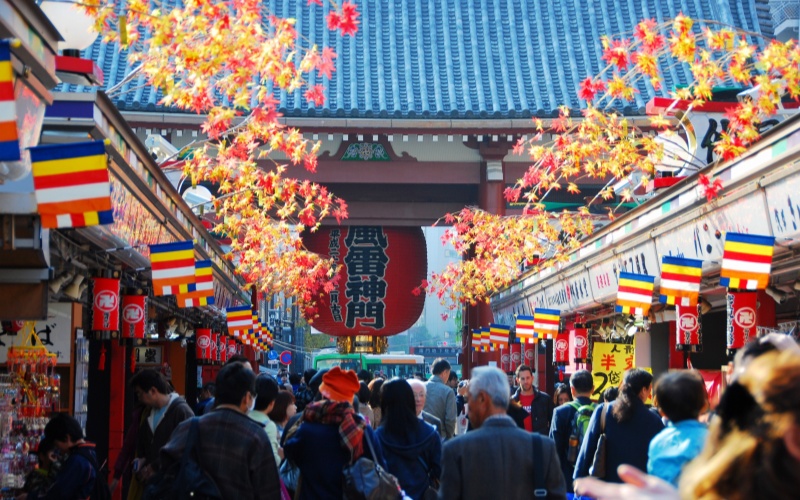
(462, 58)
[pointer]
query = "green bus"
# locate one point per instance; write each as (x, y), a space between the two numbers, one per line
(388, 365)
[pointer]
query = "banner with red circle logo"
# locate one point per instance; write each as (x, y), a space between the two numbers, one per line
(203, 344)
(134, 317)
(687, 328)
(380, 266)
(580, 337)
(742, 318)
(561, 349)
(105, 304)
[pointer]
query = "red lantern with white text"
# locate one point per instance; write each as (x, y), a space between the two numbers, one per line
(742, 318)
(105, 304)
(688, 329)
(380, 266)
(134, 317)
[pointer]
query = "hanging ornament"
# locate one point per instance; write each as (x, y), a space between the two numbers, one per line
(102, 364)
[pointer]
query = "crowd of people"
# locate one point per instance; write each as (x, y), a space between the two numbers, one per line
(495, 435)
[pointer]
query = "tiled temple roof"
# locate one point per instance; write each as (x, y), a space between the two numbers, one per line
(462, 58)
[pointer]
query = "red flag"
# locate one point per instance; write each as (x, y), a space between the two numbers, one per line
(742, 318)
(134, 316)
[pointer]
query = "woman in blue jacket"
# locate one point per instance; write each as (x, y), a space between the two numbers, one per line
(412, 447)
(629, 428)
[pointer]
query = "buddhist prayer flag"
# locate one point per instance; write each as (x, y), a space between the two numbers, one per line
(680, 281)
(476, 339)
(498, 334)
(9, 137)
(546, 323)
(173, 267)
(525, 331)
(240, 321)
(201, 292)
(746, 261)
(71, 184)
(635, 293)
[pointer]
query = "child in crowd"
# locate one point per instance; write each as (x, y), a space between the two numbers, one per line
(681, 397)
(40, 479)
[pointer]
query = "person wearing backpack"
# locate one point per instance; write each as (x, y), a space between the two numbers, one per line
(570, 422)
(78, 478)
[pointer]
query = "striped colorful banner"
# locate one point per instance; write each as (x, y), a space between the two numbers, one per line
(546, 323)
(476, 339)
(485, 339)
(635, 293)
(71, 184)
(240, 321)
(498, 334)
(680, 281)
(201, 292)
(9, 136)
(173, 267)
(746, 261)
(525, 331)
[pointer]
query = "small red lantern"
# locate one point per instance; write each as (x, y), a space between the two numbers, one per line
(134, 316)
(516, 356)
(105, 304)
(688, 329)
(223, 349)
(561, 349)
(203, 344)
(214, 347)
(580, 336)
(742, 318)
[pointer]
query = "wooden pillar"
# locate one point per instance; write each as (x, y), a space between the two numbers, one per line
(116, 406)
(490, 199)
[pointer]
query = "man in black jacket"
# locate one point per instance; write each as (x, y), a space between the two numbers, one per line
(537, 403)
(476, 464)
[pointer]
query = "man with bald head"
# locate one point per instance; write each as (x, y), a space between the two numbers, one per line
(420, 395)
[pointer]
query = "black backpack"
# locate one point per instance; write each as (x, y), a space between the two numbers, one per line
(184, 479)
(100, 490)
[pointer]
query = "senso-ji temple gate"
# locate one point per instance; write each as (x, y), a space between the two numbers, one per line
(428, 98)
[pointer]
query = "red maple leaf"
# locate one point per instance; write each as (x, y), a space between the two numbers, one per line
(710, 189)
(617, 54)
(326, 65)
(589, 88)
(316, 94)
(348, 20)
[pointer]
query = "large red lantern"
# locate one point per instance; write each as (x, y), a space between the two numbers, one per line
(380, 268)
(105, 304)
(742, 318)
(134, 316)
(231, 347)
(687, 329)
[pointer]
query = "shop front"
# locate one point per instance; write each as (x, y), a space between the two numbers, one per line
(758, 205)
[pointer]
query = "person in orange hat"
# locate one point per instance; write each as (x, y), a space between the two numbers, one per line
(330, 436)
